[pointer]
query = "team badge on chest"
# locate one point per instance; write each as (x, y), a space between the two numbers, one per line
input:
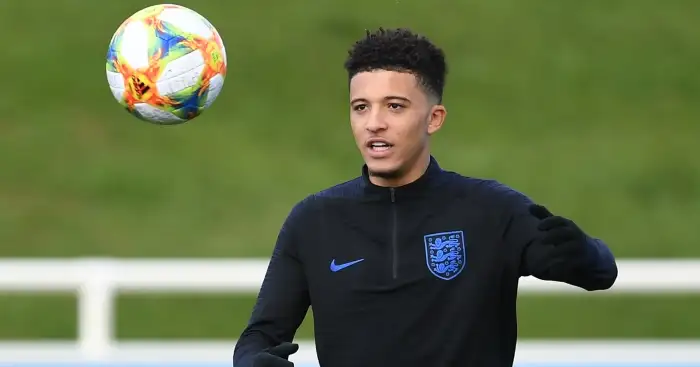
(445, 253)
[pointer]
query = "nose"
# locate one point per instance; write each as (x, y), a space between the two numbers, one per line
(375, 122)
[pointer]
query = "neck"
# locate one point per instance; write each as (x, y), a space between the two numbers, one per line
(416, 170)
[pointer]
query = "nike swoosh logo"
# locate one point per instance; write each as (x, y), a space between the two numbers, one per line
(338, 267)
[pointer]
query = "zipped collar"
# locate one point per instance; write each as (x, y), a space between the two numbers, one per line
(420, 187)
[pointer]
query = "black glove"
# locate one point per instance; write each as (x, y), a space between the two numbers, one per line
(569, 247)
(276, 356)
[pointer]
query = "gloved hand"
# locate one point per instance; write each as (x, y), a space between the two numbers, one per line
(570, 249)
(276, 356)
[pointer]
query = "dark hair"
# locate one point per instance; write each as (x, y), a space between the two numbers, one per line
(400, 50)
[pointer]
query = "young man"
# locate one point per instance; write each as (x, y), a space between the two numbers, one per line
(409, 264)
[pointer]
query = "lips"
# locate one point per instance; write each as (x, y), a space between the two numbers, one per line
(378, 147)
(378, 144)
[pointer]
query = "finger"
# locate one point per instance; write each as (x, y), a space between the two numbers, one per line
(284, 350)
(539, 211)
(269, 360)
(551, 223)
(568, 250)
(558, 236)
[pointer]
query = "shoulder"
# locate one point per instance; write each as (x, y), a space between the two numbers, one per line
(487, 192)
(349, 189)
(311, 204)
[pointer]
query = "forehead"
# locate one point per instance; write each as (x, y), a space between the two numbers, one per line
(378, 84)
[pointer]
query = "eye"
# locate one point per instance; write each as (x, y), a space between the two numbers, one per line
(395, 106)
(359, 107)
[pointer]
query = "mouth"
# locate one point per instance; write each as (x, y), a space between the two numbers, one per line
(378, 145)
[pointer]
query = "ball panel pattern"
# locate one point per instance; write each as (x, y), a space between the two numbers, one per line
(168, 58)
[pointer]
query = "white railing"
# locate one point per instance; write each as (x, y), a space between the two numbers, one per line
(97, 282)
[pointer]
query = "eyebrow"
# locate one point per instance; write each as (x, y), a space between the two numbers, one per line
(387, 98)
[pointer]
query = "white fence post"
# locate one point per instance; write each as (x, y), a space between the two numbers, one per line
(96, 298)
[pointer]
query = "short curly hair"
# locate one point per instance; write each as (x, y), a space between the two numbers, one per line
(402, 50)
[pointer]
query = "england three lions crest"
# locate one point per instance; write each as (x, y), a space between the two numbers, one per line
(445, 253)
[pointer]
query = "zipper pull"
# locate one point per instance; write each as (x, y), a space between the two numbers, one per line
(393, 195)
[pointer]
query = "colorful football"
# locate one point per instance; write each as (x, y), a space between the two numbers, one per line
(166, 64)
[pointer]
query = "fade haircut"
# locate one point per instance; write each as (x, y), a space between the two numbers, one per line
(400, 50)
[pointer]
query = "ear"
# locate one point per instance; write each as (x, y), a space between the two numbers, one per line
(436, 118)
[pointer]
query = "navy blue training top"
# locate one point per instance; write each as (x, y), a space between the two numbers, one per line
(420, 275)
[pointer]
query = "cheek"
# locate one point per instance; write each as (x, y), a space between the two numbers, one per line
(354, 124)
(357, 130)
(412, 131)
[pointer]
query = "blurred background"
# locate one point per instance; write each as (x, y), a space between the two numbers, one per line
(590, 107)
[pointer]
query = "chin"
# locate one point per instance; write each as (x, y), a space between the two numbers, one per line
(383, 169)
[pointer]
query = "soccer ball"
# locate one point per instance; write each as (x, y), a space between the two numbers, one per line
(166, 64)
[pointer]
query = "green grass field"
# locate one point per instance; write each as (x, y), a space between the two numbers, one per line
(589, 107)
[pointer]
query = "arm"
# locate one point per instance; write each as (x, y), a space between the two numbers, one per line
(562, 253)
(282, 302)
